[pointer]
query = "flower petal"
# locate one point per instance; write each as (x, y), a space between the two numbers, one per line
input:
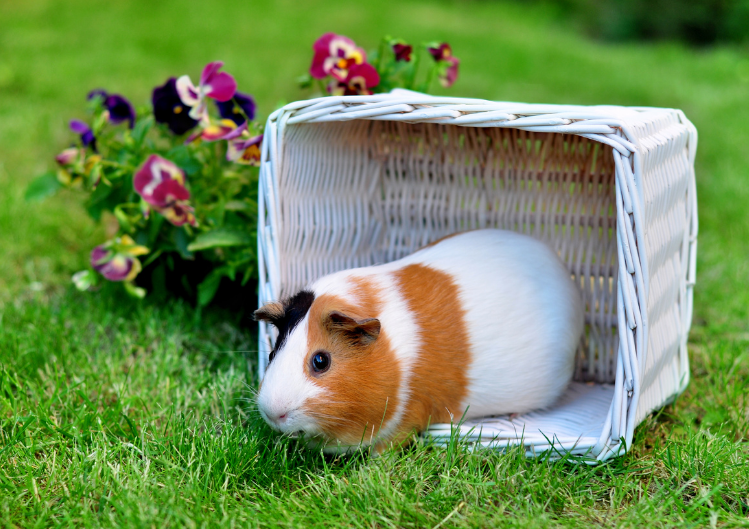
(168, 191)
(78, 126)
(152, 174)
(187, 91)
(209, 71)
(221, 87)
(234, 108)
(96, 92)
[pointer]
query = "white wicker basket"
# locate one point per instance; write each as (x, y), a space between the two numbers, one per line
(357, 180)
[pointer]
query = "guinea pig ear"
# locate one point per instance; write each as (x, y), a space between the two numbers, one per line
(271, 312)
(355, 332)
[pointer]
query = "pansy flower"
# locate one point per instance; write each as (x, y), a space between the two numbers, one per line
(117, 260)
(214, 131)
(402, 52)
(214, 84)
(360, 79)
(119, 108)
(245, 151)
(85, 132)
(239, 109)
(161, 184)
(448, 64)
(335, 55)
(168, 108)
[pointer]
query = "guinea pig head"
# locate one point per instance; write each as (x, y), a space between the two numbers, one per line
(332, 373)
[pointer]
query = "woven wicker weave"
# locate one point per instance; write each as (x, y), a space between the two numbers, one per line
(358, 180)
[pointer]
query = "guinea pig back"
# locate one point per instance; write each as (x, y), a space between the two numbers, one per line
(481, 323)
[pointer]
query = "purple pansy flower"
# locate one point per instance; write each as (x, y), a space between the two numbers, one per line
(117, 260)
(335, 55)
(448, 72)
(245, 150)
(402, 52)
(162, 185)
(225, 129)
(168, 108)
(118, 106)
(214, 84)
(238, 109)
(85, 132)
(360, 79)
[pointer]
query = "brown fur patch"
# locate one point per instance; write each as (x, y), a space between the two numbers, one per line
(362, 382)
(439, 381)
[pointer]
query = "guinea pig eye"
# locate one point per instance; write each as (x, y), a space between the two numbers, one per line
(321, 362)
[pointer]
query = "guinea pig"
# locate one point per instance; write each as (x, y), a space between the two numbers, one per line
(480, 323)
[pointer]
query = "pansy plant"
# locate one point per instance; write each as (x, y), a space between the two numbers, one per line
(177, 178)
(395, 64)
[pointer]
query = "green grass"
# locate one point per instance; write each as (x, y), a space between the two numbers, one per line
(118, 413)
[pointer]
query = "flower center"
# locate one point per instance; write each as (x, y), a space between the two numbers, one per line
(177, 109)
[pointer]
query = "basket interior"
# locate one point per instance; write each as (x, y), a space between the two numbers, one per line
(366, 192)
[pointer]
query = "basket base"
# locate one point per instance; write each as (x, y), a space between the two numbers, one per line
(573, 425)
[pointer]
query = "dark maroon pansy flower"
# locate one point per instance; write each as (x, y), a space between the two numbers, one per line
(361, 78)
(168, 108)
(402, 52)
(448, 72)
(85, 132)
(441, 52)
(237, 108)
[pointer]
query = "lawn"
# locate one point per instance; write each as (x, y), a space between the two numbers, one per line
(119, 413)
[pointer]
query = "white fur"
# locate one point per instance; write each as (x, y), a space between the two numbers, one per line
(286, 387)
(523, 313)
(524, 317)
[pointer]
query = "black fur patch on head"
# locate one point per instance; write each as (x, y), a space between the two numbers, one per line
(295, 309)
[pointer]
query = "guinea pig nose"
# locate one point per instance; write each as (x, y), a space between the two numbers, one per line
(282, 418)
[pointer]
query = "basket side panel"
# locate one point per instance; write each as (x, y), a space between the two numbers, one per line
(667, 189)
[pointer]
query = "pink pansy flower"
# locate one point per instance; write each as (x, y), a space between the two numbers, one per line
(162, 185)
(335, 55)
(448, 72)
(214, 84)
(360, 79)
(117, 260)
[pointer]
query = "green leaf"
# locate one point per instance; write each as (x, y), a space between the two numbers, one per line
(181, 241)
(184, 159)
(142, 126)
(220, 237)
(207, 289)
(42, 187)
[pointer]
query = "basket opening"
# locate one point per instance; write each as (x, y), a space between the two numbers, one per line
(365, 192)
